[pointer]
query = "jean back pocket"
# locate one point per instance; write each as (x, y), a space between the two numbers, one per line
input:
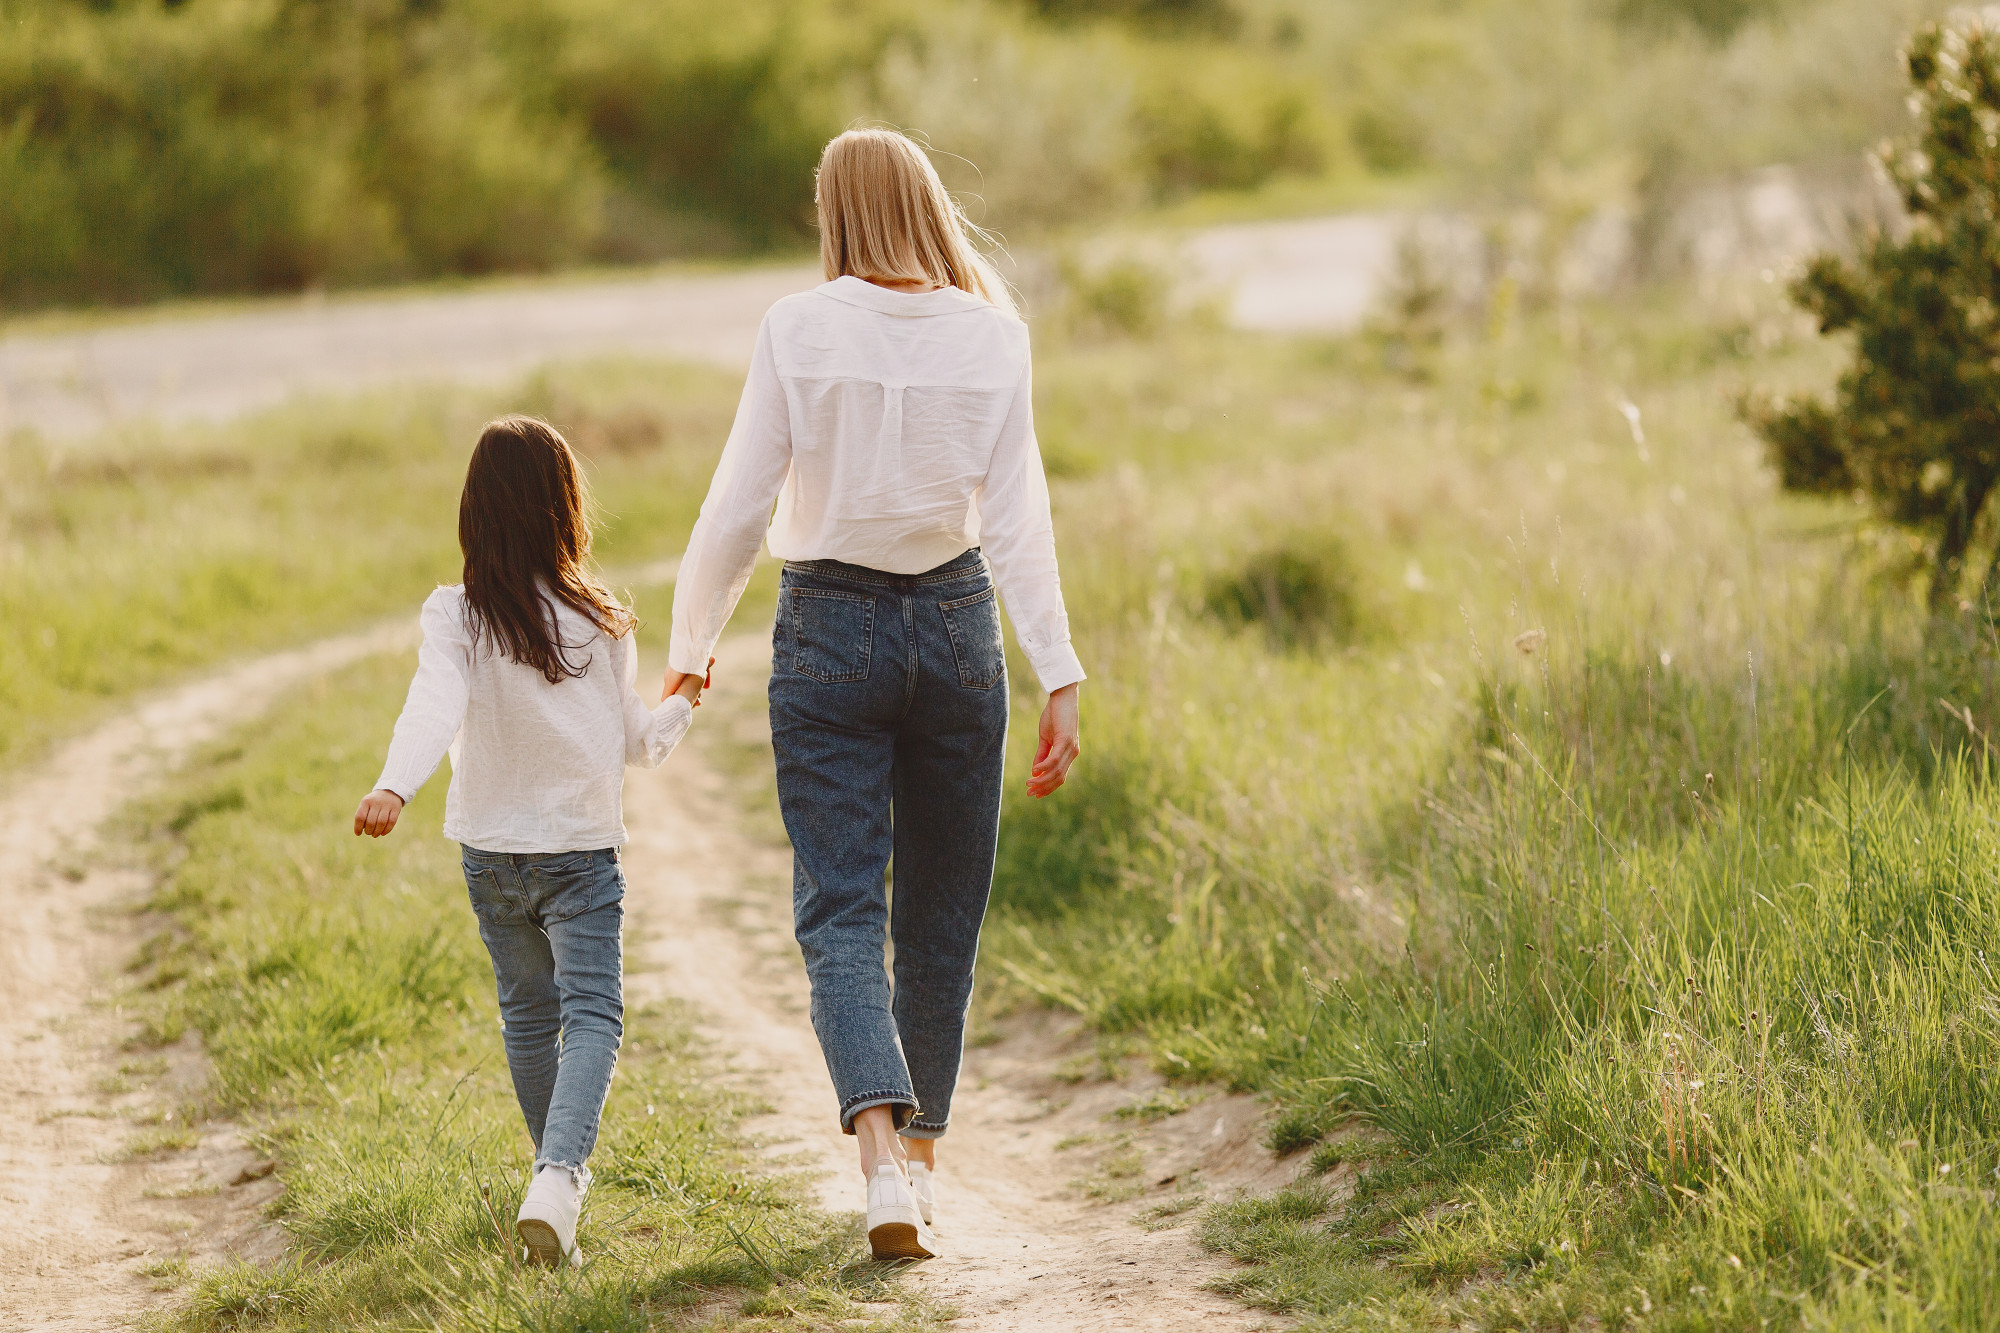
(974, 625)
(833, 633)
(567, 886)
(491, 901)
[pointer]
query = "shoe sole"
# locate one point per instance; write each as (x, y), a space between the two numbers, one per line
(544, 1247)
(899, 1240)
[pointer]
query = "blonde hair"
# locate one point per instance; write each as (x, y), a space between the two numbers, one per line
(883, 213)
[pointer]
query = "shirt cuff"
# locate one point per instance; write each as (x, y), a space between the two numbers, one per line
(400, 784)
(1056, 666)
(685, 657)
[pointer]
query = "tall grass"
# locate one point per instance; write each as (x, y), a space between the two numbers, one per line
(1616, 917)
(348, 1010)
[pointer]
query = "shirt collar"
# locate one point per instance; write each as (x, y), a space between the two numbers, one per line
(882, 300)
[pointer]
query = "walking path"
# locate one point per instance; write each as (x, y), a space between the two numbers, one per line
(99, 1179)
(1025, 1248)
(1312, 274)
(86, 1205)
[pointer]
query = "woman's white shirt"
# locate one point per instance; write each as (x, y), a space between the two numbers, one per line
(535, 767)
(893, 430)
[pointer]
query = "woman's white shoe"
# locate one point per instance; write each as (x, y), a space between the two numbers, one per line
(896, 1228)
(923, 1184)
(547, 1222)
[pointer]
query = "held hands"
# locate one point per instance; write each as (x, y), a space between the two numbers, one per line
(377, 814)
(688, 685)
(1059, 745)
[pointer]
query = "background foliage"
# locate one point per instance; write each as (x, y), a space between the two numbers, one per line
(157, 147)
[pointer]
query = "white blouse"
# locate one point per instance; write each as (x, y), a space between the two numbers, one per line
(893, 430)
(535, 767)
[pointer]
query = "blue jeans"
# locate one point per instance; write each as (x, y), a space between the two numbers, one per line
(551, 924)
(889, 719)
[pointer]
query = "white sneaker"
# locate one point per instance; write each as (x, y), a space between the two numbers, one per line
(547, 1224)
(923, 1184)
(896, 1228)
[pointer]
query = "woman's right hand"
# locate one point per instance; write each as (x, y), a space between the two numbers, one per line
(1059, 744)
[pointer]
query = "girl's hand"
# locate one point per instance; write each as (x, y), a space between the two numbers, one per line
(377, 814)
(1059, 744)
(687, 685)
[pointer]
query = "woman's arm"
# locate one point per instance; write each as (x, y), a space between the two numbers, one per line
(723, 547)
(432, 714)
(1018, 536)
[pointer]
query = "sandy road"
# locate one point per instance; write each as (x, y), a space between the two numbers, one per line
(1309, 274)
(84, 1211)
(1026, 1250)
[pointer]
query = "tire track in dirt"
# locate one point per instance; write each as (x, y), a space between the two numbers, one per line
(1025, 1249)
(85, 1212)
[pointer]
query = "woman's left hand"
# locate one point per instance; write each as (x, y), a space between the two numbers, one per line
(688, 684)
(1060, 743)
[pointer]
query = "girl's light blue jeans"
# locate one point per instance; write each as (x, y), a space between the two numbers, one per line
(552, 925)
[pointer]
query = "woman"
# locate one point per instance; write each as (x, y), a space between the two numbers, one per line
(888, 416)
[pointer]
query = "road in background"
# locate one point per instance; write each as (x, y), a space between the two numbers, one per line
(1316, 274)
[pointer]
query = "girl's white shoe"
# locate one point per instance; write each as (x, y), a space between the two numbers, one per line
(923, 1184)
(896, 1228)
(547, 1224)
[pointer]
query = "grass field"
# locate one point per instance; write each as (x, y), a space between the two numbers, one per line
(1587, 848)
(139, 556)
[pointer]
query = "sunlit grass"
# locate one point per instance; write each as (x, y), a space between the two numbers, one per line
(1618, 905)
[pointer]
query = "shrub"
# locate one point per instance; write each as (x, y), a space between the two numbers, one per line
(1302, 591)
(1914, 424)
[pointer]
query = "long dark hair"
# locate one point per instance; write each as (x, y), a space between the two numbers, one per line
(524, 528)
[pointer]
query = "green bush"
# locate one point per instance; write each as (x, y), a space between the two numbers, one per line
(1302, 592)
(1914, 418)
(150, 148)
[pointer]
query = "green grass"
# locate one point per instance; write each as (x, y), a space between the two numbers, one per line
(1616, 905)
(128, 562)
(348, 1010)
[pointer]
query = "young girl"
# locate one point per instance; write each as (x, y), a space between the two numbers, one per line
(525, 675)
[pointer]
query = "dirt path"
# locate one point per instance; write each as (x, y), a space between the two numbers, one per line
(1026, 1248)
(102, 1180)
(81, 1126)
(1307, 274)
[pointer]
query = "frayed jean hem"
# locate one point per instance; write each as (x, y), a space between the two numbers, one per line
(578, 1172)
(919, 1129)
(905, 1104)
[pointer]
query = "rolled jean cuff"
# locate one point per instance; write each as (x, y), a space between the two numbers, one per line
(578, 1172)
(919, 1128)
(905, 1104)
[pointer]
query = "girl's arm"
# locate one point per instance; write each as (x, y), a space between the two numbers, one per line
(652, 733)
(432, 714)
(724, 545)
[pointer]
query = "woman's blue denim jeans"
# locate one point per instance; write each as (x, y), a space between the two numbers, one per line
(889, 718)
(551, 924)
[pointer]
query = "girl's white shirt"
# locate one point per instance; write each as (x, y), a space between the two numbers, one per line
(535, 767)
(893, 430)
